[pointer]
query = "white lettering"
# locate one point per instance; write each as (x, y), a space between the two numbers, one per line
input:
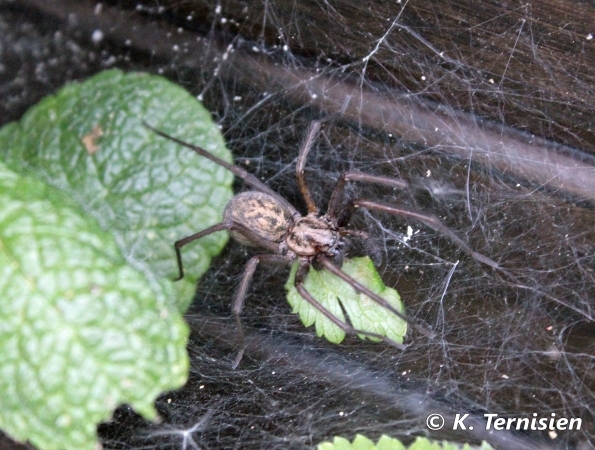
(573, 421)
(459, 422)
(542, 423)
(493, 422)
(522, 424)
(489, 417)
(499, 423)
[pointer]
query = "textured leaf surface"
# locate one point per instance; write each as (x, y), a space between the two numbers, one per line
(81, 331)
(387, 443)
(336, 295)
(89, 141)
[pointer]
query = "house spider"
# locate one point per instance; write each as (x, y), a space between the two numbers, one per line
(262, 218)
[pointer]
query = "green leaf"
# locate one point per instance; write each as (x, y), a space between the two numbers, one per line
(338, 443)
(89, 141)
(363, 443)
(387, 443)
(89, 318)
(81, 331)
(336, 295)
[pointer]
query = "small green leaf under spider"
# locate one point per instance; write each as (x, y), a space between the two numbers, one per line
(337, 296)
(387, 443)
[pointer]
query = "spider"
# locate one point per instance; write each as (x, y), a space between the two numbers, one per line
(262, 218)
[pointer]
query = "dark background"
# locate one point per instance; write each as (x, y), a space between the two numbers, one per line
(485, 108)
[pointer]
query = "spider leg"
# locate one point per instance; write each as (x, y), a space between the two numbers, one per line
(238, 301)
(179, 244)
(328, 265)
(430, 221)
(298, 283)
(254, 237)
(355, 233)
(301, 162)
(248, 178)
(337, 194)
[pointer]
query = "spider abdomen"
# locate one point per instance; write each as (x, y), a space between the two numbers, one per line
(309, 236)
(260, 213)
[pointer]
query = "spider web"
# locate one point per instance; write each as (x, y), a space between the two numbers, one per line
(483, 110)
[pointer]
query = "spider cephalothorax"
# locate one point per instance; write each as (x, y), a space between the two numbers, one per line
(311, 235)
(262, 218)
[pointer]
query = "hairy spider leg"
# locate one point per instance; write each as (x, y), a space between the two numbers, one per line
(238, 301)
(337, 194)
(301, 163)
(430, 221)
(300, 277)
(261, 242)
(248, 178)
(331, 267)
